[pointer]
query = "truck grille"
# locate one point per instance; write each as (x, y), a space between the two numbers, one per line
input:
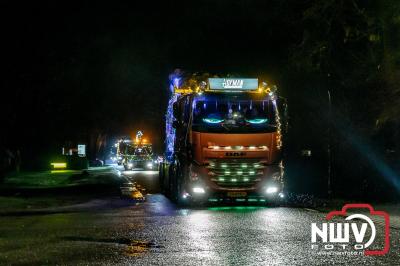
(240, 173)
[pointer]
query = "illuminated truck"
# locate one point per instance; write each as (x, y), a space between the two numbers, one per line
(137, 153)
(223, 141)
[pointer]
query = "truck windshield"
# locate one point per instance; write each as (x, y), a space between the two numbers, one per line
(139, 151)
(234, 116)
(142, 151)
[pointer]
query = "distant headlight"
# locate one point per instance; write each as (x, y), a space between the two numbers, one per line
(130, 165)
(149, 165)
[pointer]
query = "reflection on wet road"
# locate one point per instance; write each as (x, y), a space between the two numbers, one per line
(158, 232)
(148, 179)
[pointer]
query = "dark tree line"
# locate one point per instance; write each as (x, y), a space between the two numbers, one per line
(345, 71)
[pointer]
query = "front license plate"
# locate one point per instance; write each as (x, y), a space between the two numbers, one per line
(236, 194)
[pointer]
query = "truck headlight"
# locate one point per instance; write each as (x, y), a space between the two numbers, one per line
(271, 190)
(199, 190)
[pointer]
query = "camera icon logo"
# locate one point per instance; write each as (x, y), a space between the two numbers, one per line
(337, 235)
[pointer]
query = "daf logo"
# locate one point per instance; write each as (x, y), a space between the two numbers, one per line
(235, 154)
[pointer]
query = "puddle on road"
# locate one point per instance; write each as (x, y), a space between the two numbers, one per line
(137, 248)
(132, 191)
(132, 247)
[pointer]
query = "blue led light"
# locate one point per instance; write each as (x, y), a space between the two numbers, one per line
(257, 121)
(169, 129)
(212, 120)
(176, 82)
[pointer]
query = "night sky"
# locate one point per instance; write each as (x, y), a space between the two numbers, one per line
(75, 68)
(80, 72)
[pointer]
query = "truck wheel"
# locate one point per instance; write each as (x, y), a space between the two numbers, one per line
(181, 173)
(174, 178)
(161, 178)
(174, 187)
(170, 182)
(179, 192)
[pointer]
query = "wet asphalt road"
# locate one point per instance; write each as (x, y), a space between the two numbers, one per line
(158, 232)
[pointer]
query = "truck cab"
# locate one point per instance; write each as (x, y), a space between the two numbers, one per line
(226, 144)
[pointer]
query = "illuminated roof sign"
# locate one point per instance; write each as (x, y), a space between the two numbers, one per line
(233, 84)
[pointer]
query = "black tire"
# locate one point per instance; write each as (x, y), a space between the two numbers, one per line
(181, 176)
(174, 194)
(169, 183)
(174, 186)
(176, 183)
(161, 178)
